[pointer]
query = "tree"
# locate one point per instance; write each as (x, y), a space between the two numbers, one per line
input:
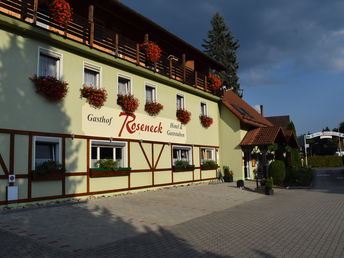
(222, 46)
(341, 127)
(291, 127)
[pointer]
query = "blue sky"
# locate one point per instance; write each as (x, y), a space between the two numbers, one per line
(291, 53)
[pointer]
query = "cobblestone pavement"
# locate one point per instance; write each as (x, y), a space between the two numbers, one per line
(291, 223)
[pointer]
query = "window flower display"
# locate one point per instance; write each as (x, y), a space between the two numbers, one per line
(128, 103)
(183, 116)
(95, 97)
(153, 108)
(214, 82)
(50, 87)
(152, 50)
(206, 121)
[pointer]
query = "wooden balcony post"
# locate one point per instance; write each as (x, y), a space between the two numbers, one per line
(24, 10)
(146, 38)
(184, 71)
(171, 67)
(35, 8)
(137, 53)
(196, 76)
(205, 82)
(91, 23)
(116, 44)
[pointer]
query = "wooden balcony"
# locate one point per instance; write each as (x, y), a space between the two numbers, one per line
(97, 36)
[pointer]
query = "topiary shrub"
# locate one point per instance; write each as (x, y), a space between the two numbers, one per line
(277, 171)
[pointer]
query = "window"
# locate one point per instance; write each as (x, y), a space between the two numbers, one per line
(208, 154)
(49, 63)
(180, 102)
(124, 86)
(45, 149)
(92, 76)
(108, 150)
(204, 109)
(150, 94)
(181, 153)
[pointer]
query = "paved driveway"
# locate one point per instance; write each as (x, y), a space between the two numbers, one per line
(198, 221)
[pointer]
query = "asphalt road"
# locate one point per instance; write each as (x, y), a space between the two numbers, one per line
(291, 223)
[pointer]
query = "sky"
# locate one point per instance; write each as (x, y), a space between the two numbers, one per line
(291, 53)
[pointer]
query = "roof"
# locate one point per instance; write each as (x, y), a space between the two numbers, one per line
(243, 111)
(281, 121)
(264, 136)
(291, 138)
(143, 21)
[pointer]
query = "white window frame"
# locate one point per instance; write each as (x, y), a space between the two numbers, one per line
(206, 108)
(213, 153)
(128, 78)
(113, 144)
(95, 68)
(184, 101)
(56, 140)
(53, 54)
(181, 147)
(155, 95)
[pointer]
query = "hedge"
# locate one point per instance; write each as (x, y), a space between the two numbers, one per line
(277, 171)
(299, 177)
(325, 161)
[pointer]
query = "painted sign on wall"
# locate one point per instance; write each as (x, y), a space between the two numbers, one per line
(111, 122)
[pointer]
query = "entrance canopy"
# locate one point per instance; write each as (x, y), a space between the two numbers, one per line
(264, 136)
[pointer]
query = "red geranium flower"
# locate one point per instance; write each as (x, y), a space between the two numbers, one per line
(61, 12)
(183, 116)
(152, 50)
(214, 82)
(206, 121)
(95, 97)
(128, 103)
(50, 87)
(153, 108)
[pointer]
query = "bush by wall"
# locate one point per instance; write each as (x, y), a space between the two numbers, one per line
(299, 177)
(325, 161)
(277, 171)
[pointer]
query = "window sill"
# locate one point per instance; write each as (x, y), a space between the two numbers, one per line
(101, 172)
(47, 177)
(209, 167)
(183, 169)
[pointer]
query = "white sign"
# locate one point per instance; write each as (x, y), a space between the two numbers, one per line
(113, 123)
(326, 134)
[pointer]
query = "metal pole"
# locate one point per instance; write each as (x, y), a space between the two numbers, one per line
(306, 159)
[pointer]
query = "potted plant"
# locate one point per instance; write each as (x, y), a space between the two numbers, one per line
(152, 51)
(209, 165)
(182, 165)
(153, 108)
(268, 186)
(48, 170)
(61, 12)
(228, 174)
(128, 103)
(183, 116)
(214, 82)
(95, 97)
(50, 87)
(108, 168)
(206, 121)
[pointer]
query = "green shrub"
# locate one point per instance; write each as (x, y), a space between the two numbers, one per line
(209, 163)
(295, 159)
(277, 171)
(182, 163)
(269, 182)
(107, 164)
(325, 161)
(48, 167)
(299, 177)
(227, 171)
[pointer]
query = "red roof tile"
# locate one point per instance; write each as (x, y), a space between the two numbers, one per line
(263, 136)
(281, 121)
(243, 111)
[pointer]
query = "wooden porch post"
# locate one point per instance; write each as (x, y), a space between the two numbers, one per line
(91, 23)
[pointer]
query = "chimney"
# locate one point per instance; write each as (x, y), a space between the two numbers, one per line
(261, 110)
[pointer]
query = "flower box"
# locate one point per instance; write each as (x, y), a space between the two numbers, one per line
(153, 108)
(209, 167)
(183, 116)
(101, 172)
(128, 103)
(183, 169)
(95, 97)
(228, 178)
(50, 87)
(47, 177)
(206, 121)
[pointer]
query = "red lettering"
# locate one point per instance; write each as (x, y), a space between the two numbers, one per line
(127, 124)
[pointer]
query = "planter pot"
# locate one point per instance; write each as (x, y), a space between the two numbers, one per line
(47, 177)
(183, 169)
(211, 168)
(269, 191)
(228, 178)
(100, 172)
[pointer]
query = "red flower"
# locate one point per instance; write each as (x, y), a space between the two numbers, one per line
(214, 82)
(50, 87)
(61, 12)
(153, 108)
(128, 103)
(206, 121)
(95, 97)
(152, 50)
(183, 116)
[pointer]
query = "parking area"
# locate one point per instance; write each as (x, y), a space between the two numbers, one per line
(85, 224)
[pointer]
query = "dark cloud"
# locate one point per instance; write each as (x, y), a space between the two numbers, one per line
(304, 35)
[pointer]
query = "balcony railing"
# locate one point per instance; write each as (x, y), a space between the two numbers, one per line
(98, 37)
